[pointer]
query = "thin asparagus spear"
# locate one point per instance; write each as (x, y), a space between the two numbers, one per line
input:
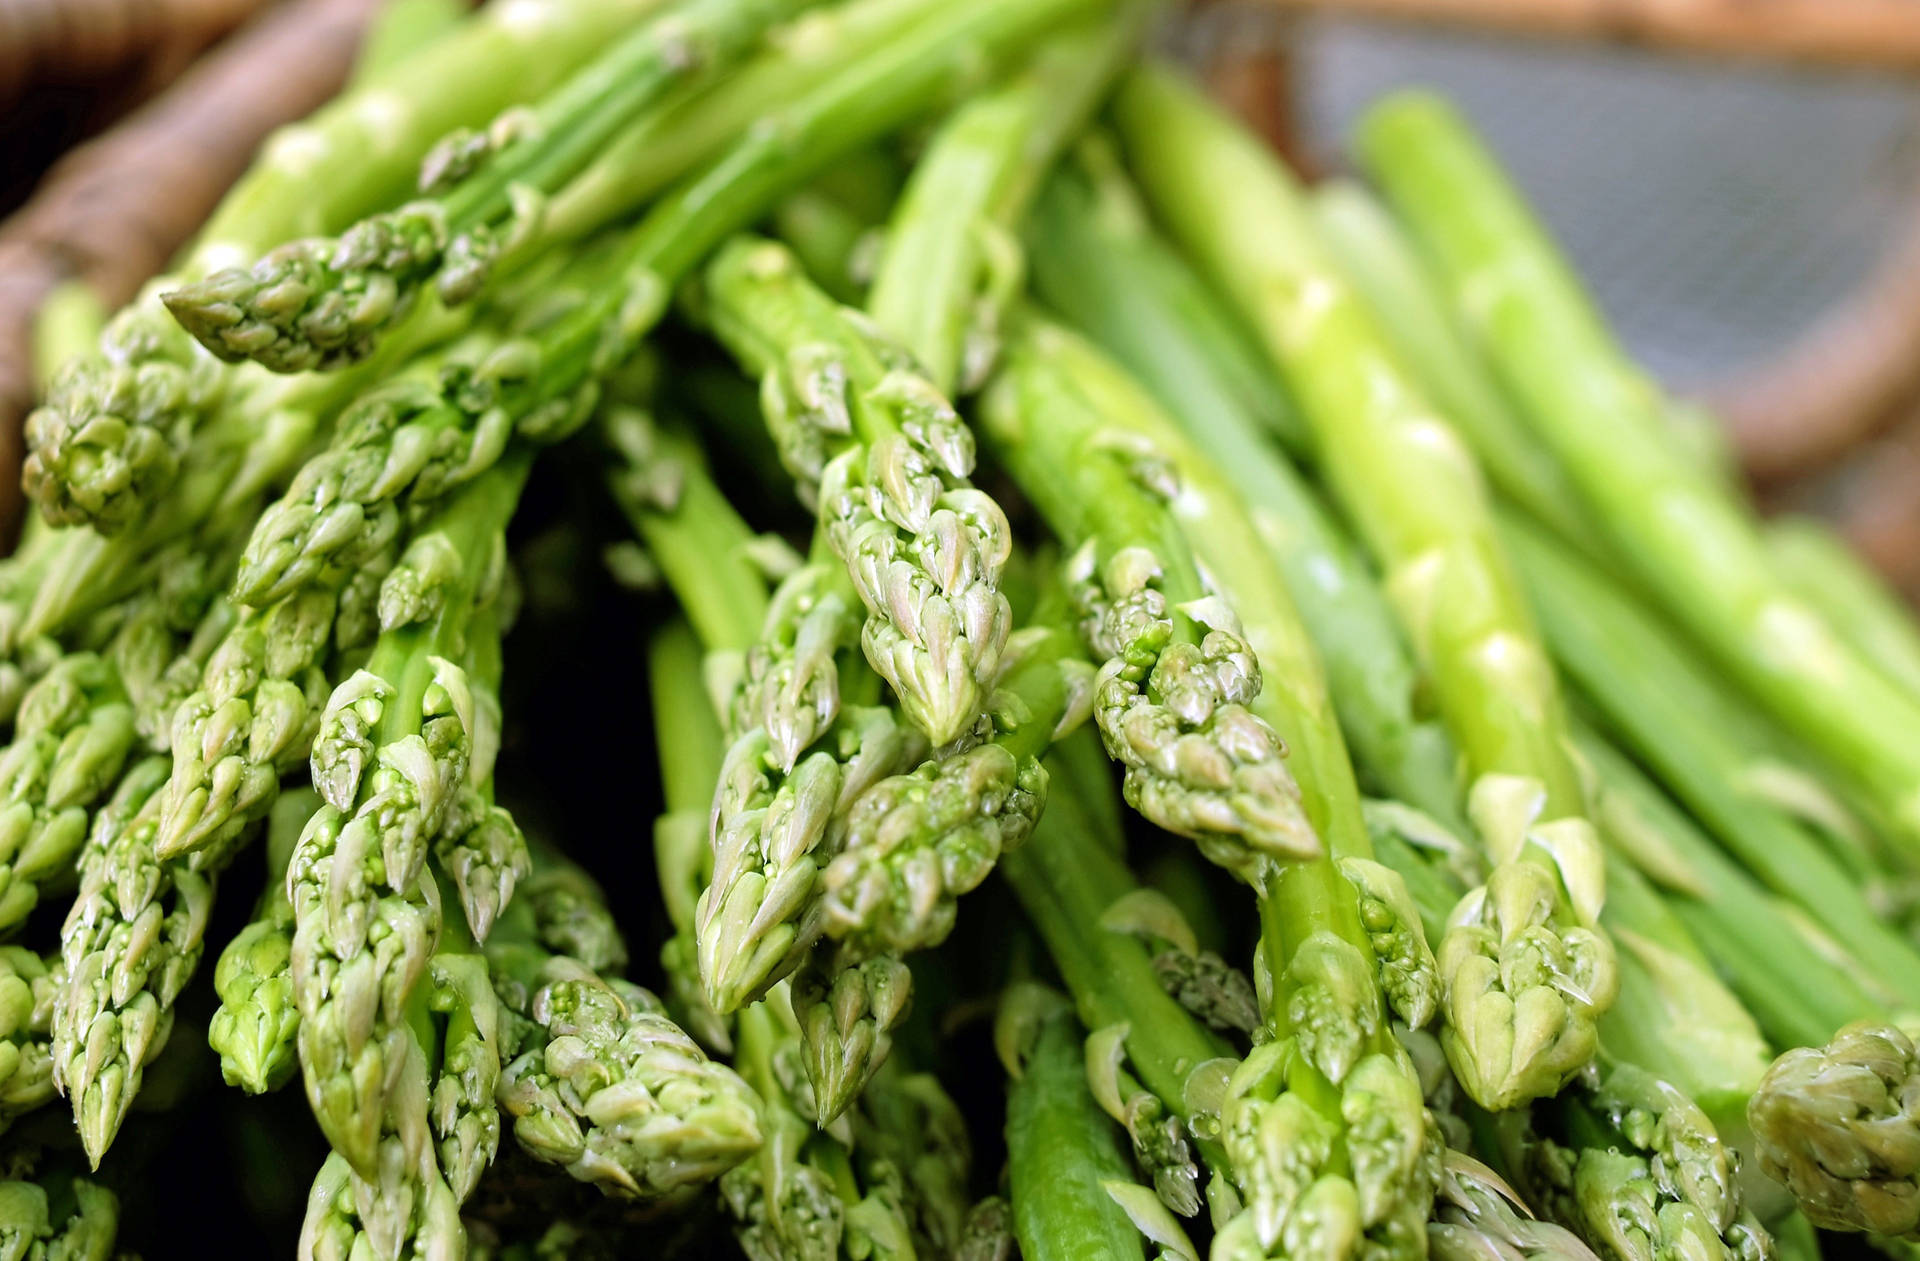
(1061, 1149)
(916, 842)
(1067, 880)
(1673, 522)
(318, 304)
(936, 292)
(105, 444)
(688, 735)
(1526, 968)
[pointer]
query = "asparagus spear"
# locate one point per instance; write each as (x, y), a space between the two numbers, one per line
(1067, 881)
(1672, 711)
(1820, 566)
(129, 944)
(804, 1194)
(1527, 971)
(885, 460)
(397, 742)
(29, 985)
(1172, 699)
(1096, 261)
(604, 1084)
(1061, 1149)
(1381, 262)
(950, 260)
(1672, 521)
(253, 1030)
(318, 304)
(57, 1215)
(914, 843)
(119, 419)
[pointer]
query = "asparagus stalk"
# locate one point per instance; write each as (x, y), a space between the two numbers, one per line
(1377, 258)
(1096, 261)
(1172, 699)
(950, 261)
(916, 842)
(1820, 566)
(1673, 522)
(604, 1084)
(102, 447)
(319, 304)
(804, 1193)
(254, 1028)
(1668, 707)
(1061, 1149)
(885, 459)
(689, 739)
(1167, 1097)
(130, 942)
(396, 744)
(1526, 969)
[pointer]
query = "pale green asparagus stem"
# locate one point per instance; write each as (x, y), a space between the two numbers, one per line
(1527, 970)
(1827, 572)
(1670, 519)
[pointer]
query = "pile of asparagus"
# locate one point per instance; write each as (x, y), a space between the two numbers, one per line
(1004, 437)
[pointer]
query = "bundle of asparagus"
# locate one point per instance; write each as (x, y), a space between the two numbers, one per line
(1435, 815)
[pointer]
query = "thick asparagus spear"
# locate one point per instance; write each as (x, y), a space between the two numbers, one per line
(397, 743)
(1376, 256)
(885, 460)
(1062, 1149)
(120, 417)
(1671, 520)
(1526, 969)
(318, 304)
(56, 1214)
(1096, 261)
(1172, 699)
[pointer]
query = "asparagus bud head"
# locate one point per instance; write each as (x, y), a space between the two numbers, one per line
(1839, 1125)
(1174, 713)
(1526, 968)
